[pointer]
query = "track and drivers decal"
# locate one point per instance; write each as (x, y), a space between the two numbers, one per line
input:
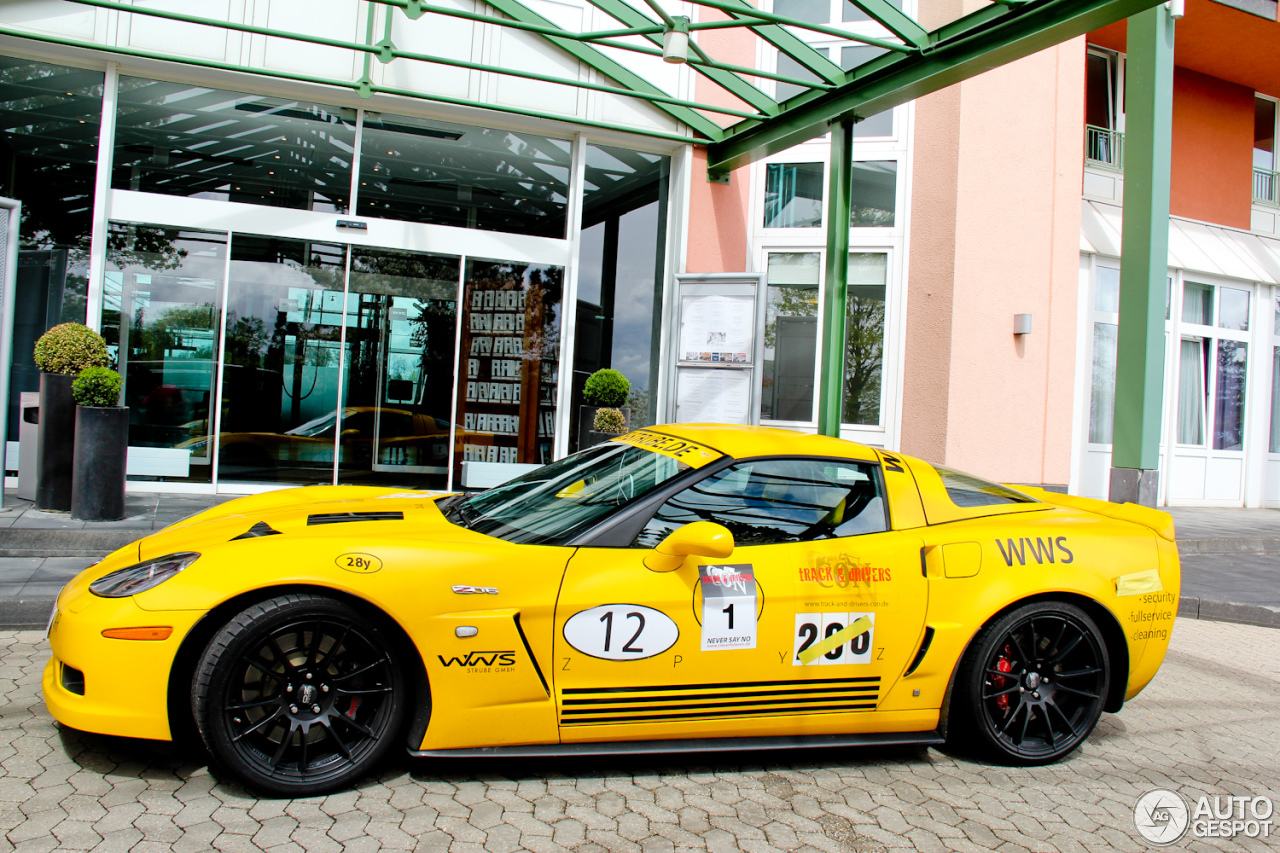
(728, 606)
(621, 632)
(833, 638)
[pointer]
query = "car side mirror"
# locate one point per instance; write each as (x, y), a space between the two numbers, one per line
(701, 539)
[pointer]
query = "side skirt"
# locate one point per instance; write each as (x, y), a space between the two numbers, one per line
(648, 747)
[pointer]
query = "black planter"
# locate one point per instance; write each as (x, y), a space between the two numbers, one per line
(53, 446)
(101, 448)
(588, 437)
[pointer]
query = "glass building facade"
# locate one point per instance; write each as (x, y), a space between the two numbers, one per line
(298, 292)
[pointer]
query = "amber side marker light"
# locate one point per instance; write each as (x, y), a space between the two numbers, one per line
(151, 633)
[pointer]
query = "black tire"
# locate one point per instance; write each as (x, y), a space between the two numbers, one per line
(299, 695)
(1032, 685)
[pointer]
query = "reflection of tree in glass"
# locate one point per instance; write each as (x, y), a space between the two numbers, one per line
(788, 302)
(246, 338)
(863, 357)
(1229, 426)
(143, 246)
(167, 335)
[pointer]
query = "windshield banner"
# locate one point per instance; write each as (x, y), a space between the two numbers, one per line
(689, 452)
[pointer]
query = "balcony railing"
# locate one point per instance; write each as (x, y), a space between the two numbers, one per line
(1266, 187)
(1104, 147)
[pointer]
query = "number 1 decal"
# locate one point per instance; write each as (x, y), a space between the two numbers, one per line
(728, 607)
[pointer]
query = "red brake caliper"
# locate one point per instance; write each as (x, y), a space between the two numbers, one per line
(355, 703)
(1003, 665)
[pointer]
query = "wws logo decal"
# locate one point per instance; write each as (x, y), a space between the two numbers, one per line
(1040, 549)
(481, 660)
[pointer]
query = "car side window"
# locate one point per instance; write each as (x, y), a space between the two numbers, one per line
(778, 500)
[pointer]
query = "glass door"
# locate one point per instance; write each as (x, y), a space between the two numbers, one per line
(283, 351)
(161, 315)
(398, 369)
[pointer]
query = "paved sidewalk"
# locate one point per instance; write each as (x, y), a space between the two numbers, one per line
(1205, 726)
(1230, 557)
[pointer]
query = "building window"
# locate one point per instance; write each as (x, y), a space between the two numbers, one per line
(176, 139)
(48, 159)
(793, 195)
(1213, 367)
(790, 336)
(470, 177)
(1104, 108)
(1266, 176)
(874, 195)
(864, 337)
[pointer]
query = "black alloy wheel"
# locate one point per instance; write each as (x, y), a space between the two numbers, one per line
(299, 695)
(1034, 683)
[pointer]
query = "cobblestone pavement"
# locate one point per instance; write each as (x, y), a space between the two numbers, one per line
(1209, 724)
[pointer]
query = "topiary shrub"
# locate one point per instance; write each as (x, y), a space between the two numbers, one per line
(96, 386)
(610, 422)
(69, 348)
(606, 387)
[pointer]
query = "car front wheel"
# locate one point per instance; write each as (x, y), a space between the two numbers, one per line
(1033, 684)
(299, 695)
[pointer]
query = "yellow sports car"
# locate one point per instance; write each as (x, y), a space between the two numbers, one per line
(691, 587)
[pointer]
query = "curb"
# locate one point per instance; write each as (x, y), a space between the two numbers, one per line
(1224, 611)
(1193, 547)
(47, 542)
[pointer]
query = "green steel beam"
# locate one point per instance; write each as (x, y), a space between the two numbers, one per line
(737, 69)
(835, 296)
(1144, 261)
(624, 13)
(386, 51)
(983, 40)
(621, 75)
(350, 85)
(747, 14)
(783, 40)
(895, 20)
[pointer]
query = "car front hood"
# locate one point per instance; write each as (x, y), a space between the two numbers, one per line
(313, 511)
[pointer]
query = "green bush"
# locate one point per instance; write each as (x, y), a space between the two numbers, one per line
(96, 386)
(69, 348)
(606, 388)
(610, 422)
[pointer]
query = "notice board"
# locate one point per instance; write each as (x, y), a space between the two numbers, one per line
(719, 326)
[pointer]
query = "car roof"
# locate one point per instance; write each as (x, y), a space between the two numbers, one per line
(746, 441)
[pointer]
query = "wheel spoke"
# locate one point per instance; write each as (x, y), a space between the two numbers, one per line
(1026, 722)
(1022, 653)
(1077, 673)
(999, 693)
(302, 751)
(333, 734)
(1083, 693)
(1071, 730)
(284, 745)
(1048, 727)
(1035, 642)
(1013, 716)
(244, 706)
(280, 655)
(317, 634)
(359, 671)
(258, 726)
(1062, 632)
(333, 650)
(364, 692)
(360, 727)
(1064, 652)
(995, 673)
(261, 667)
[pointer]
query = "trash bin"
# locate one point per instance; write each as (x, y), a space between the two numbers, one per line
(28, 435)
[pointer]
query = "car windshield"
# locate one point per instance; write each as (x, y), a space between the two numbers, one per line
(555, 502)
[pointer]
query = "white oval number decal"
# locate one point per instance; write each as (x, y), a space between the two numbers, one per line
(621, 632)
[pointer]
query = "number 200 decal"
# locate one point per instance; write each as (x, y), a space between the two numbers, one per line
(621, 632)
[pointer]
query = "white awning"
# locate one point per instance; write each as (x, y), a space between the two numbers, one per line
(1193, 246)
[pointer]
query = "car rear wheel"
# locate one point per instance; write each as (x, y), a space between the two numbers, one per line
(1033, 684)
(299, 695)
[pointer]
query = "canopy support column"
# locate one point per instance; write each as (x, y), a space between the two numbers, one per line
(835, 293)
(1144, 260)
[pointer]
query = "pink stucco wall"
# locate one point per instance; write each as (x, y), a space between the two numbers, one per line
(1005, 149)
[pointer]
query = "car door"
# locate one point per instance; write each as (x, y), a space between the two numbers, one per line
(800, 630)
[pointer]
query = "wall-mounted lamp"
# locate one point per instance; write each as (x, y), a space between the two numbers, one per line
(675, 42)
(1177, 8)
(1022, 324)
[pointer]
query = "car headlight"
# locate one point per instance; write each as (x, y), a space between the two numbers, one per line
(142, 577)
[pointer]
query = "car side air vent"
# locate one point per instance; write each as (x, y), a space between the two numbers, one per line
(259, 529)
(341, 517)
(924, 649)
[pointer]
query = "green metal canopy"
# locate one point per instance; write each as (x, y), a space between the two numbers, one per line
(740, 118)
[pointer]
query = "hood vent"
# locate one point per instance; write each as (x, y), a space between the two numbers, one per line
(342, 517)
(259, 529)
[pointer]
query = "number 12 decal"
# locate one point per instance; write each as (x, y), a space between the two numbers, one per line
(833, 638)
(621, 632)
